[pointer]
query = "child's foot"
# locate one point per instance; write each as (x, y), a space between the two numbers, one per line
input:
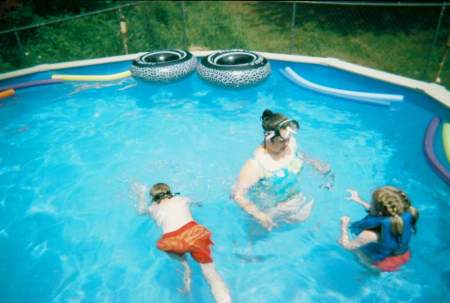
(187, 280)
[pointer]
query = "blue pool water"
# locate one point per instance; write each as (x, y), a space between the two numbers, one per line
(68, 157)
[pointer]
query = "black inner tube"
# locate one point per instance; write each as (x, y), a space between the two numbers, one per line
(235, 59)
(161, 57)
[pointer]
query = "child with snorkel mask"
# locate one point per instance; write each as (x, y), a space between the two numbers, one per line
(182, 235)
(271, 175)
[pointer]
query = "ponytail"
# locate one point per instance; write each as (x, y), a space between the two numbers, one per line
(266, 113)
(393, 203)
(397, 225)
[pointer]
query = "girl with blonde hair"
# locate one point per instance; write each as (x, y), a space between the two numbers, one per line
(383, 236)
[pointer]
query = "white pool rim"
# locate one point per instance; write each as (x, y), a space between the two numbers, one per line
(433, 90)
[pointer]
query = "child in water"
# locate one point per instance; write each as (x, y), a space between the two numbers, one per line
(181, 235)
(384, 234)
(269, 183)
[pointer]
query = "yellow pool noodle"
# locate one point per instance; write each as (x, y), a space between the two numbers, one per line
(92, 77)
(446, 140)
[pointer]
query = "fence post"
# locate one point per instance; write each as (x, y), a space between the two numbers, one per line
(123, 30)
(239, 31)
(291, 46)
(19, 46)
(185, 35)
(437, 78)
(435, 37)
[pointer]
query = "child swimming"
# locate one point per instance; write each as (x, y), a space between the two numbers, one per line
(181, 235)
(383, 235)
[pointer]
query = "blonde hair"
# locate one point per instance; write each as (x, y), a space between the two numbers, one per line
(393, 202)
(160, 191)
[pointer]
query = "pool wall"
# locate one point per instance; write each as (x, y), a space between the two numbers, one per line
(435, 91)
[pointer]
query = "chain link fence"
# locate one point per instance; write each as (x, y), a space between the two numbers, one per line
(409, 39)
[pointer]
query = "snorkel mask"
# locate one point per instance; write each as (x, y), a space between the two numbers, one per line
(284, 130)
(163, 195)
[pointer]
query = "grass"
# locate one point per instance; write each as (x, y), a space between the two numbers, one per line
(392, 41)
(400, 52)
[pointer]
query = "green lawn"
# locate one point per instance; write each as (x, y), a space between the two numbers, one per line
(375, 38)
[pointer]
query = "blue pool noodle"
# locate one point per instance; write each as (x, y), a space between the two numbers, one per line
(378, 99)
(429, 150)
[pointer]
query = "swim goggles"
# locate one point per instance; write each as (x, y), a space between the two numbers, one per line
(163, 195)
(285, 129)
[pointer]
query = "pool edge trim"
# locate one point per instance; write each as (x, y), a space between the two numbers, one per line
(435, 91)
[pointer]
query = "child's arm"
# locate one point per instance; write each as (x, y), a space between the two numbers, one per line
(354, 196)
(249, 176)
(195, 203)
(363, 238)
(141, 206)
(321, 167)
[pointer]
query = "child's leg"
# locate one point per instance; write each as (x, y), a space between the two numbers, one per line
(186, 272)
(218, 287)
(295, 209)
(303, 213)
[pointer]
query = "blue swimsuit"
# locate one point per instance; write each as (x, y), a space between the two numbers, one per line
(276, 186)
(388, 245)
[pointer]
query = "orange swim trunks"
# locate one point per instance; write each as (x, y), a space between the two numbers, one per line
(192, 238)
(393, 263)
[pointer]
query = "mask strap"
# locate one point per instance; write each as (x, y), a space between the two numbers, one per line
(269, 134)
(161, 196)
(283, 123)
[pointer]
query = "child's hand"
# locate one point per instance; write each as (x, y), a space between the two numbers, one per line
(353, 196)
(345, 220)
(139, 189)
(266, 221)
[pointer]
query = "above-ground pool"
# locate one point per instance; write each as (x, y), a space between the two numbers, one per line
(69, 231)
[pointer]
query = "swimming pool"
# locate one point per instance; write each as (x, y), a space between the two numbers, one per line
(69, 154)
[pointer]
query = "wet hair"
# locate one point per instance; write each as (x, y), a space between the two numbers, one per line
(407, 206)
(160, 191)
(392, 202)
(271, 120)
